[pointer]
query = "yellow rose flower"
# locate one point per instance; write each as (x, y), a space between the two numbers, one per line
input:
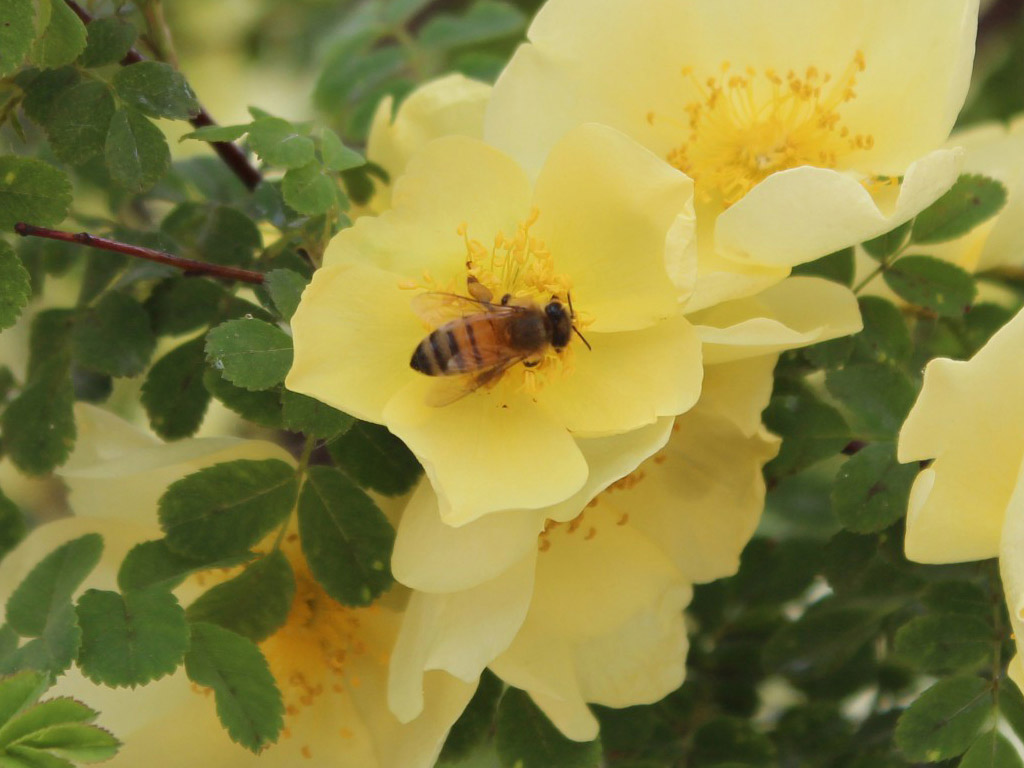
(783, 113)
(329, 660)
(968, 504)
(586, 606)
(606, 226)
(452, 105)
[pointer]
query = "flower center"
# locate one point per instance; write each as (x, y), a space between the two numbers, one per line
(745, 127)
(309, 652)
(513, 271)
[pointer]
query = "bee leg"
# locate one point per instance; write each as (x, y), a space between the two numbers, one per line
(505, 299)
(531, 363)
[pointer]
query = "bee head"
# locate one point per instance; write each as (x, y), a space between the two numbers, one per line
(560, 321)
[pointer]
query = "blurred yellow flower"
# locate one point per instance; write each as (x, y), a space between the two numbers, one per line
(452, 105)
(606, 226)
(330, 661)
(783, 113)
(968, 504)
(586, 606)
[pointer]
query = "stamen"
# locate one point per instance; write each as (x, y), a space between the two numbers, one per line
(743, 127)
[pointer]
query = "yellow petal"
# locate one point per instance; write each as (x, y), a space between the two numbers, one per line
(452, 105)
(739, 391)
(112, 454)
(627, 380)
(967, 418)
(795, 313)
(486, 452)
(354, 334)
(434, 557)
(1011, 569)
(611, 458)
(802, 214)
(600, 60)
(452, 181)
(459, 632)
(607, 206)
(701, 502)
(605, 624)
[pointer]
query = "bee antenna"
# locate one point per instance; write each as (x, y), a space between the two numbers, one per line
(582, 338)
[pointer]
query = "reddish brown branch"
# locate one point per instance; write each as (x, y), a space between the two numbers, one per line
(189, 266)
(232, 156)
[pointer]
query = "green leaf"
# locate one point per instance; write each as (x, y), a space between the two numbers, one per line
(311, 417)
(485, 20)
(15, 286)
(825, 637)
(944, 642)
(216, 233)
(812, 431)
(17, 31)
(54, 650)
(43, 715)
(39, 424)
(51, 583)
(944, 288)
(525, 738)
(113, 337)
(885, 338)
(218, 133)
(20, 691)
(345, 538)
(223, 510)
(44, 89)
(254, 604)
(183, 304)
(1011, 707)
(136, 151)
(153, 563)
(174, 395)
(884, 246)
(280, 143)
(63, 39)
(992, 750)
(880, 396)
(249, 704)
(838, 267)
(250, 353)
(958, 597)
(261, 407)
(872, 488)
(78, 123)
(395, 12)
(474, 724)
(944, 720)
(376, 459)
(130, 639)
(285, 288)
(32, 191)
(71, 741)
(108, 41)
(308, 190)
(157, 90)
(336, 155)
(970, 201)
(731, 741)
(12, 525)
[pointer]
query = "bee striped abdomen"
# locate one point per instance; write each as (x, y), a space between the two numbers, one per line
(457, 347)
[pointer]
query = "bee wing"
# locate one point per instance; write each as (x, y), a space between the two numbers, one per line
(449, 390)
(436, 307)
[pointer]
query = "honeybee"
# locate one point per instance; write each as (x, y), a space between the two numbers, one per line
(490, 337)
